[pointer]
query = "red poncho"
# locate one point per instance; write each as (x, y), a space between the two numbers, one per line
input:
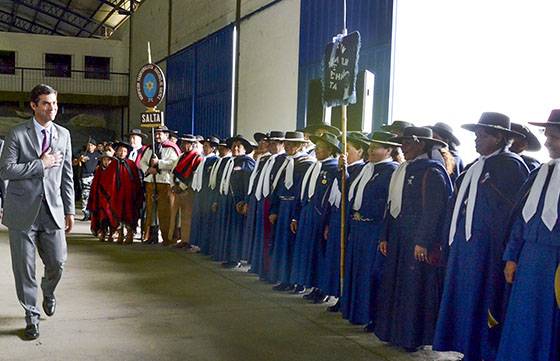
(186, 166)
(127, 193)
(100, 197)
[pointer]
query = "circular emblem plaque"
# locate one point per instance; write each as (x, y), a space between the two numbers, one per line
(150, 85)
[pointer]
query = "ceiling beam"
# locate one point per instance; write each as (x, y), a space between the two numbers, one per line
(109, 14)
(92, 16)
(59, 19)
(14, 10)
(115, 6)
(24, 24)
(55, 12)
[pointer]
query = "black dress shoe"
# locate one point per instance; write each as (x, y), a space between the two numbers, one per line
(335, 307)
(290, 288)
(298, 290)
(49, 305)
(281, 287)
(321, 298)
(370, 327)
(31, 332)
(312, 294)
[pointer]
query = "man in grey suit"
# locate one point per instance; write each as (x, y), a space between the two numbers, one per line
(39, 202)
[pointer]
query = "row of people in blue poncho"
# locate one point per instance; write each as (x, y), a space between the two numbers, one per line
(466, 260)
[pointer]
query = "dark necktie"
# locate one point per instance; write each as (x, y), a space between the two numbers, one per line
(45, 144)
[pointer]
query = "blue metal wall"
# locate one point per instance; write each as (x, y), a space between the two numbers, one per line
(320, 20)
(199, 86)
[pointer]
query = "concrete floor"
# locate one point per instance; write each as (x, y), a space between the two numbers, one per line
(152, 303)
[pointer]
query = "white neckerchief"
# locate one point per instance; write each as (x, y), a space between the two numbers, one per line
(289, 166)
(396, 186)
(311, 176)
(226, 176)
(264, 177)
(266, 186)
(336, 195)
(549, 214)
(255, 172)
(470, 182)
(359, 184)
(199, 174)
(214, 173)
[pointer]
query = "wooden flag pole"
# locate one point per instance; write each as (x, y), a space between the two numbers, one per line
(343, 201)
(344, 122)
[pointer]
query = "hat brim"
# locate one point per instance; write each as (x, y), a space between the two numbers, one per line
(544, 124)
(361, 142)
(384, 142)
(315, 139)
(138, 135)
(299, 140)
(259, 136)
(164, 131)
(328, 128)
(246, 144)
(278, 139)
(533, 143)
(425, 139)
(446, 134)
(473, 127)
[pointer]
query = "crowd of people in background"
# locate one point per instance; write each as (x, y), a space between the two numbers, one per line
(462, 257)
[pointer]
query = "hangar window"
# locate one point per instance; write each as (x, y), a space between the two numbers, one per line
(58, 65)
(7, 62)
(97, 67)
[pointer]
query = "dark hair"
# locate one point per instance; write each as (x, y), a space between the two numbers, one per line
(397, 155)
(41, 89)
(448, 160)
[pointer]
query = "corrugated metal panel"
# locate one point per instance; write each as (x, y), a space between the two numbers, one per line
(199, 86)
(320, 20)
(214, 60)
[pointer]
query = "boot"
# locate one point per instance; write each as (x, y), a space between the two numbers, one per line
(120, 235)
(129, 236)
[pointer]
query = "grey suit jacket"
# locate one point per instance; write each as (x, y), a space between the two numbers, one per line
(29, 182)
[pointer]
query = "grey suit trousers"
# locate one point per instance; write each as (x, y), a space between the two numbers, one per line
(47, 238)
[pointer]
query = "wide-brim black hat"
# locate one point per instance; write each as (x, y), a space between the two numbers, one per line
(396, 126)
(493, 120)
(276, 135)
(163, 129)
(329, 128)
(553, 119)
(358, 139)
(295, 137)
(533, 144)
(384, 138)
(258, 136)
(224, 142)
(418, 133)
(188, 138)
(137, 132)
(116, 145)
(239, 138)
(445, 131)
(328, 138)
(212, 140)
